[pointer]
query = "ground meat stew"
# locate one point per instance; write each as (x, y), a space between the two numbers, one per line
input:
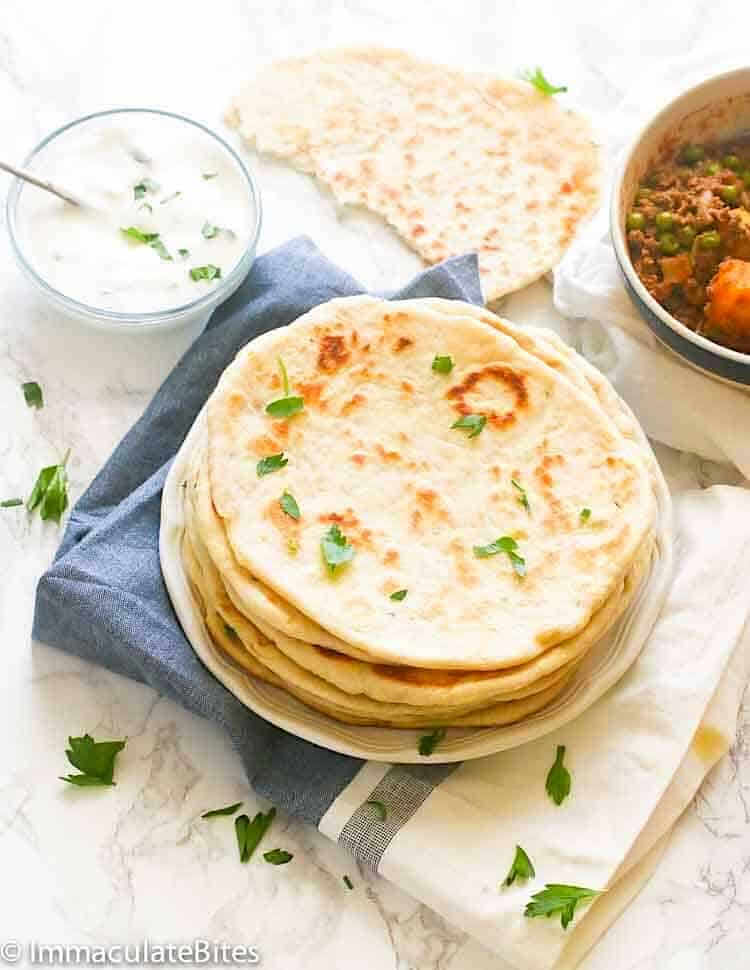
(689, 238)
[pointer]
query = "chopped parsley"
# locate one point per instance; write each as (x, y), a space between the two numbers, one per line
(473, 423)
(271, 463)
(95, 760)
(442, 365)
(144, 186)
(228, 810)
(288, 405)
(336, 549)
(169, 198)
(208, 231)
(208, 273)
(508, 545)
(541, 83)
(348, 883)
(558, 778)
(50, 491)
(152, 239)
(556, 898)
(289, 505)
(278, 857)
(209, 175)
(522, 868)
(32, 393)
(399, 595)
(11, 503)
(380, 810)
(523, 498)
(428, 742)
(183, 253)
(249, 834)
(584, 515)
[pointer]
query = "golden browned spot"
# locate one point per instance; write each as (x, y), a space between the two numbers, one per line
(354, 338)
(281, 429)
(495, 471)
(709, 743)
(275, 381)
(418, 230)
(358, 458)
(278, 517)
(407, 387)
(402, 343)
(389, 456)
(264, 445)
(352, 404)
(347, 520)
(465, 571)
(403, 436)
(235, 404)
(332, 352)
(312, 392)
(512, 380)
(416, 520)
(391, 557)
(427, 497)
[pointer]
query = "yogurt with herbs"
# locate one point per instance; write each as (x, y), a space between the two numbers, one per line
(168, 213)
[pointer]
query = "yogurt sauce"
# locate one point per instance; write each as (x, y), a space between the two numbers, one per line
(170, 213)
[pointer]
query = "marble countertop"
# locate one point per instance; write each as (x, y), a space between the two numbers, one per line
(136, 861)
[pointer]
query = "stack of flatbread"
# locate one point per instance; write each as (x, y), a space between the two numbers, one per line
(415, 513)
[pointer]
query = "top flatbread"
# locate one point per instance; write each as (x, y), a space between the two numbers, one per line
(374, 452)
(455, 162)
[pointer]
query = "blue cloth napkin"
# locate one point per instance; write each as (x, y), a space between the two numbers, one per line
(104, 598)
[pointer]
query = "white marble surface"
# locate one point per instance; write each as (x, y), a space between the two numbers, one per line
(136, 861)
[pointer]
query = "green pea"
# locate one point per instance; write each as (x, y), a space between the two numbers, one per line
(636, 220)
(731, 161)
(692, 154)
(713, 168)
(729, 194)
(745, 176)
(709, 240)
(663, 221)
(686, 235)
(668, 244)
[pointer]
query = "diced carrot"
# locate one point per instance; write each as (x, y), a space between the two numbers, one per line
(676, 269)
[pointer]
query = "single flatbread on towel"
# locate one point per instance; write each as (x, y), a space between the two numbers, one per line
(374, 452)
(456, 162)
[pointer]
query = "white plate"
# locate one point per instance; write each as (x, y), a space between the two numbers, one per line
(602, 668)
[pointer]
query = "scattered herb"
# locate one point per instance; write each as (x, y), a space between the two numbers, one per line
(380, 809)
(523, 498)
(289, 505)
(50, 491)
(231, 632)
(144, 186)
(473, 423)
(522, 868)
(209, 175)
(558, 778)
(32, 393)
(288, 405)
(161, 249)
(11, 503)
(208, 272)
(183, 253)
(505, 544)
(348, 883)
(278, 857)
(94, 759)
(428, 742)
(208, 231)
(443, 365)
(585, 515)
(147, 206)
(556, 898)
(216, 812)
(336, 549)
(151, 239)
(271, 463)
(541, 83)
(399, 595)
(169, 198)
(249, 834)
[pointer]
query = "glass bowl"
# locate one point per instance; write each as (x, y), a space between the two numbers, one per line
(194, 313)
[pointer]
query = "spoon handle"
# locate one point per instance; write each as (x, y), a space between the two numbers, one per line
(27, 176)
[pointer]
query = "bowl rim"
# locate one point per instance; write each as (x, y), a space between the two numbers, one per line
(619, 238)
(205, 301)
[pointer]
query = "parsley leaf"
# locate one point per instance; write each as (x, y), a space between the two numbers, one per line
(169, 198)
(584, 515)
(556, 898)
(505, 544)
(288, 405)
(380, 809)
(336, 549)
(50, 492)
(94, 759)
(522, 868)
(209, 175)
(348, 883)
(289, 505)
(473, 423)
(523, 498)
(278, 857)
(399, 595)
(183, 253)
(152, 239)
(271, 463)
(208, 272)
(32, 393)
(208, 231)
(11, 503)
(144, 186)
(541, 83)
(558, 778)
(428, 742)
(249, 834)
(216, 812)
(442, 365)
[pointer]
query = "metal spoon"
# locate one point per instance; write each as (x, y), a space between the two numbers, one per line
(27, 176)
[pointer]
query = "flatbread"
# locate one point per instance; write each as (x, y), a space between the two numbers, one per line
(456, 162)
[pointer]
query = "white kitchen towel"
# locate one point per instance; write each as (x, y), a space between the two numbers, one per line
(636, 758)
(675, 404)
